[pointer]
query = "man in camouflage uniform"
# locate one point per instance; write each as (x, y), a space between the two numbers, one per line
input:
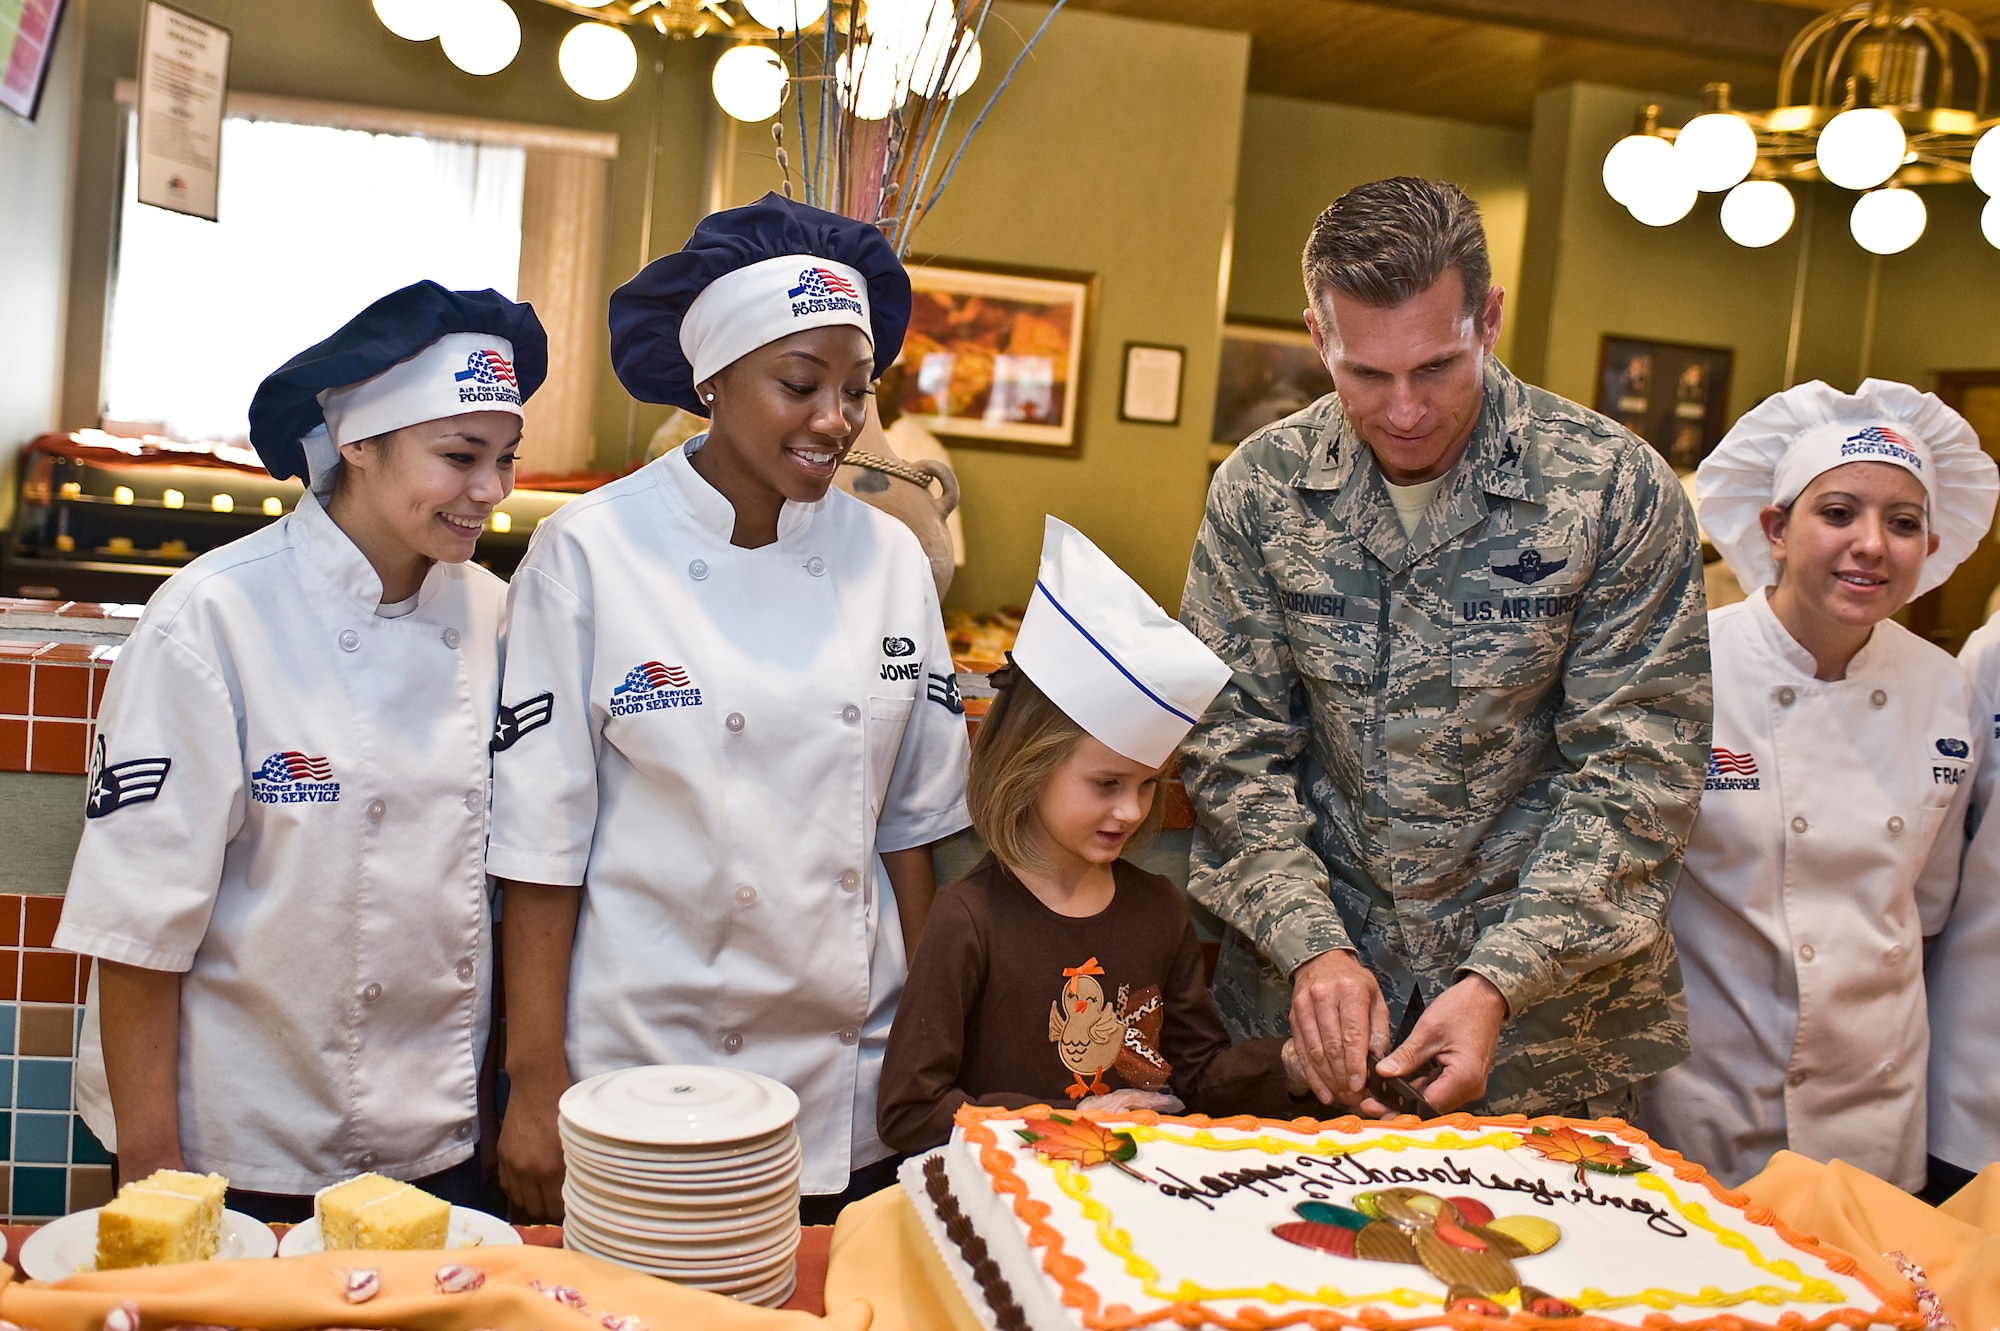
(1470, 714)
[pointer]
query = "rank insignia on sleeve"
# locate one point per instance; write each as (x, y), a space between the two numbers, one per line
(115, 785)
(516, 721)
(943, 691)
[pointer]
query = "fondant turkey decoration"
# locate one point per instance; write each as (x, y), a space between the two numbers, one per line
(1457, 1239)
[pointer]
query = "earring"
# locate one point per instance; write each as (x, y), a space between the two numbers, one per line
(709, 398)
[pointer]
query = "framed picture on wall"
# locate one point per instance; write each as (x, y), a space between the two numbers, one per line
(27, 45)
(1268, 371)
(1672, 395)
(997, 356)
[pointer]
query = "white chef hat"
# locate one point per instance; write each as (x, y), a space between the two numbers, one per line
(1781, 445)
(1104, 652)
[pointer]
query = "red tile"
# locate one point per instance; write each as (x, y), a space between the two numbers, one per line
(20, 651)
(99, 676)
(48, 977)
(10, 975)
(43, 913)
(13, 746)
(62, 690)
(10, 921)
(60, 746)
(83, 610)
(14, 687)
(79, 652)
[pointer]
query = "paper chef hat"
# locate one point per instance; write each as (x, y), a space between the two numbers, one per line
(1104, 652)
(1789, 439)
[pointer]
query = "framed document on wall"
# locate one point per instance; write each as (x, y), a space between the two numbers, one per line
(27, 45)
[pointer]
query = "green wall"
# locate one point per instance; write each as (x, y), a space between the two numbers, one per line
(1300, 156)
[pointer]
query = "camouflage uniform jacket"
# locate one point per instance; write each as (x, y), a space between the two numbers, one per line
(1476, 749)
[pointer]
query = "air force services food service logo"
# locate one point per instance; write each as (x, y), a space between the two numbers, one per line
(115, 785)
(292, 777)
(488, 377)
(651, 687)
(822, 291)
(1729, 770)
(1879, 441)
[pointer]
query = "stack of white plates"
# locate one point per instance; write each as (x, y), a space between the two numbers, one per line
(689, 1173)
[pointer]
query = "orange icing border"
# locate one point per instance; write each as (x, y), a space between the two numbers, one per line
(1897, 1310)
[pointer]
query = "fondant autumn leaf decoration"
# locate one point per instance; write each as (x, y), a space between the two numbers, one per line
(1568, 1146)
(1083, 1143)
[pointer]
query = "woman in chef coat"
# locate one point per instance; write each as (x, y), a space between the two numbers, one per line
(1828, 843)
(282, 873)
(735, 725)
(1959, 972)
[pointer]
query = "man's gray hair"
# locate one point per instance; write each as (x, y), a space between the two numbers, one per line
(1386, 241)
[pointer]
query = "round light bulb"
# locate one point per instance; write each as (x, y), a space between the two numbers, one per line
(900, 26)
(965, 72)
(924, 72)
(1757, 213)
(1887, 221)
(1633, 163)
(481, 36)
(785, 15)
(1989, 222)
(412, 20)
(1986, 163)
(867, 82)
(597, 61)
(1860, 149)
(749, 83)
(1716, 150)
(1666, 202)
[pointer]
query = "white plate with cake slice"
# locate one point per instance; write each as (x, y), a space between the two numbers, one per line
(469, 1229)
(65, 1247)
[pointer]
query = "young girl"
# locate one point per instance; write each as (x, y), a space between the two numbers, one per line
(1056, 972)
(281, 872)
(1829, 838)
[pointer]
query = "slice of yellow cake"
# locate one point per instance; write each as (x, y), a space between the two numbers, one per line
(376, 1212)
(165, 1218)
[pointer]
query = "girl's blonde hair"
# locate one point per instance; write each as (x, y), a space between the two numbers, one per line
(1022, 742)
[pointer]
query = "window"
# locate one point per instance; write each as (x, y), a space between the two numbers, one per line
(316, 222)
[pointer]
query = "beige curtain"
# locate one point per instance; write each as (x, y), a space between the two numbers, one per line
(562, 266)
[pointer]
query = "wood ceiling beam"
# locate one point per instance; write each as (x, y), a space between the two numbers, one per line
(1738, 29)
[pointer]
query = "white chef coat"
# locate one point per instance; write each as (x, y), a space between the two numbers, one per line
(1825, 852)
(1965, 959)
(715, 743)
(313, 858)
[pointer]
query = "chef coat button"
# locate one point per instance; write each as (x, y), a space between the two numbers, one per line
(1798, 824)
(847, 1034)
(349, 640)
(746, 894)
(1895, 826)
(731, 1042)
(368, 1160)
(697, 569)
(1796, 1079)
(466, 971)
(735, 722)
(1805, 952)
(371, 993)
(474, 801)
(1888, 1069)
(849, 881)
(816, 566)
(1896, 952)
(462, 1131)
(451, 638)
(851, 714)
(1878, 699)
(1786, 697)
(376, 808)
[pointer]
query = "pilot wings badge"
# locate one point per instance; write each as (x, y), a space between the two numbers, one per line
(1530, 566)
(115, 785)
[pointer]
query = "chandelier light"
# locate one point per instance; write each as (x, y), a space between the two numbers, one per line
(1665, 201)
(1989, 222)
(597, 60)
(1758, 213)
(412, 20)
(785, 15)
(1872, 94)
(1888, 221)
(749, 83)
(480, 36)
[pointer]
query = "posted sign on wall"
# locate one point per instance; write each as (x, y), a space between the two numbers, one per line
(183, 77)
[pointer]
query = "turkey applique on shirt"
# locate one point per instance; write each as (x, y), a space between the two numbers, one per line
(1092, 1036)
